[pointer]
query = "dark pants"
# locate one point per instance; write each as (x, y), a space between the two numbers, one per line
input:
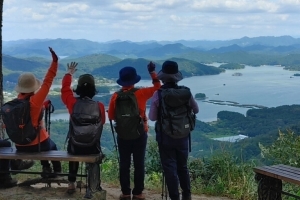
(4, 164)
(75, 150)
(174, 162)
(46, 145)
(136, 148)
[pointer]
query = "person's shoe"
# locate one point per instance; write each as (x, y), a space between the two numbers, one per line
(71, 188)
(139, 197)
(7, 182)
(189, 197)
(125, 197)
(21, 164)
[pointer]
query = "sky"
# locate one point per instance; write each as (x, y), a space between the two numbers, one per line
(144, 20)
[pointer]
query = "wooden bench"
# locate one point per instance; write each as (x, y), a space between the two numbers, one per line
(92, 169)
(270, 179)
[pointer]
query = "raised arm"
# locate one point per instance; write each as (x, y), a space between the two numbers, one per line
(38, 99)
(67, 95)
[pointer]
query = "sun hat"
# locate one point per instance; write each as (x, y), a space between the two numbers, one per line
(128, 76)
(169, 72)
(86, 78)
(27, 83)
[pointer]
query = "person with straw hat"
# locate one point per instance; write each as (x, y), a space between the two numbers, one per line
(28, 86)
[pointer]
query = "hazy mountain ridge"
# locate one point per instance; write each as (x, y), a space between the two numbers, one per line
(125, 49)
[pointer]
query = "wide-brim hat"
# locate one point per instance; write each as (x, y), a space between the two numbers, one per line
(128, 76)
(27, 83)
(169, 72)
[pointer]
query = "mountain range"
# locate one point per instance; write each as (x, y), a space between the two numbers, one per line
(150, 49)
(107, 58)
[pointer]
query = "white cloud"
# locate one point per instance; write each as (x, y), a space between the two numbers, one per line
(103, 20)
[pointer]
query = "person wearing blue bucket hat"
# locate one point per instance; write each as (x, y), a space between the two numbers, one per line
(131, 136)
(128, 76)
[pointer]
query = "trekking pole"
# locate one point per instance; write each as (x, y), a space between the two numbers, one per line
(113, 133)
(190, 143)
(162, 185)
(51, 110)
(164, 188)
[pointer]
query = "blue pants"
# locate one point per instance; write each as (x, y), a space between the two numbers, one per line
(73, 166)
(136, 148)
(174, 162)
(4, 164)
(46, 145)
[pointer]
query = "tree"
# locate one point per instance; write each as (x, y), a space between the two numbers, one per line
(1, 73)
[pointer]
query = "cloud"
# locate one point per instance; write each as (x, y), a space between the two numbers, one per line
(149, 19)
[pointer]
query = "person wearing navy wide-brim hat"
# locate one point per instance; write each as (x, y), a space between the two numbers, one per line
(128, 77)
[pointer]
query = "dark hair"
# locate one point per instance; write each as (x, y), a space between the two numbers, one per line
(86, 90)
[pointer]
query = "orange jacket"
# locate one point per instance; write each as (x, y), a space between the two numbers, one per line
(142, 95)
(36, 103)
(69, 100)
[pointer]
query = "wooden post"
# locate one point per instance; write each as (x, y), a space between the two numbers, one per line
(268, 188)
(1, 73)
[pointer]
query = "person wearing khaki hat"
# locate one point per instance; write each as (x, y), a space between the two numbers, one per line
(83, 108)
(28, 86)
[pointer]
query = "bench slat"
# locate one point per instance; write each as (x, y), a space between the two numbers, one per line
(286, 170)
(294, 169)
(12, 153)
(281, 172)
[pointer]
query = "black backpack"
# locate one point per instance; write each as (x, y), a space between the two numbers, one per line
(85, 123)
(175, 117)
(129, 124)
(17, 120)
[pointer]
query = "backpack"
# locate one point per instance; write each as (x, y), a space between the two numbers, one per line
(176, 118)
(128, 122)
(85, 123)
(17, 120)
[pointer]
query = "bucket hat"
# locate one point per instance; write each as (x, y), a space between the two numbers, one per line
(169, 72)
(27, 83)
(128, 76)
(86, 78)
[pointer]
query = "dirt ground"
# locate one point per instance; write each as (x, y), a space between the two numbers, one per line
(55, 192)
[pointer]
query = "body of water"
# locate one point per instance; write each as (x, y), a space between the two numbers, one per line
(269, 86)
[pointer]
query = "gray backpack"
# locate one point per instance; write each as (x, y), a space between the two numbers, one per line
(85, 123)
(175, 118)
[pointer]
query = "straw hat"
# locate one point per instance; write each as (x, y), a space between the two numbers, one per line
(27, 83)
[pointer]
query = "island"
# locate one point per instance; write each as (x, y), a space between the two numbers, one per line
(200, 96)
(232, 66)
(237, 74)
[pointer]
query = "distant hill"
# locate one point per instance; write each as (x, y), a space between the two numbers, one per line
(90, 62)
(150, 49)
(187, 67)
(166, 51)
(100, 65)
(26, 55)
